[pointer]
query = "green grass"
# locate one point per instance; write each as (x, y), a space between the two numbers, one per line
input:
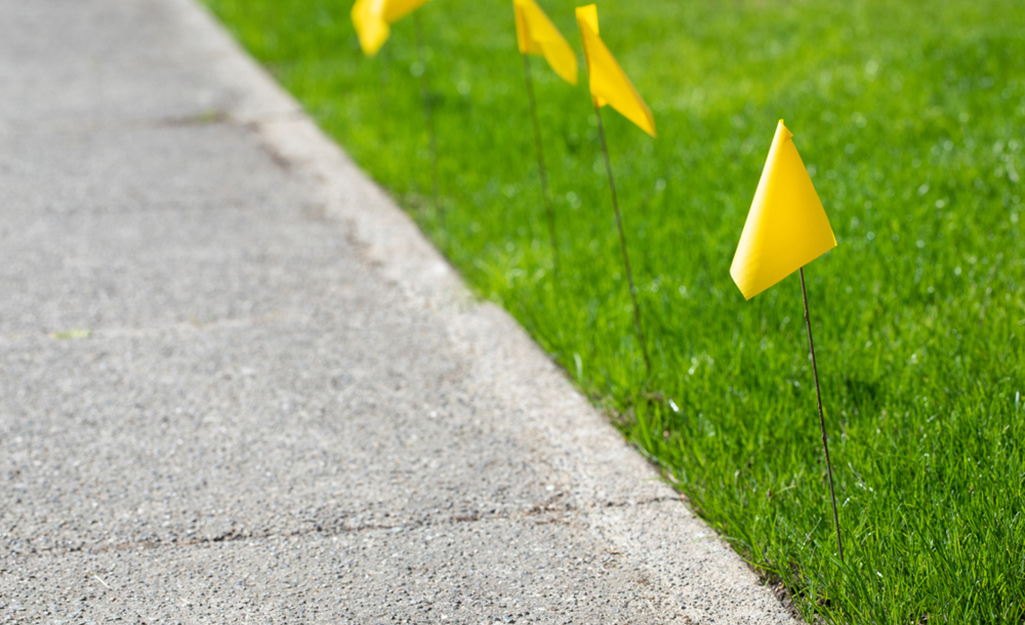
(911, 118)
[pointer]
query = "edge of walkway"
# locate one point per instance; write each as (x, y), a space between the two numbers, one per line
(708, 581)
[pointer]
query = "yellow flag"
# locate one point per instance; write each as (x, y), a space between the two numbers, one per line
(536, 34)
(787, 227)
(372, 19)
(609, 85)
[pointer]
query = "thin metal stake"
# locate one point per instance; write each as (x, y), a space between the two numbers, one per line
(622, 242)
(384, 91)
(822, 419)
(541, 163)
(425, 97)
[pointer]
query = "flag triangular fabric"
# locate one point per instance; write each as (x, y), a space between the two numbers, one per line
(787, 227)
(609, 84)
(536, 34)
(373, 19)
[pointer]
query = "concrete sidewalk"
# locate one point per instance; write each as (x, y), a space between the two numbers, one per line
(239, 386)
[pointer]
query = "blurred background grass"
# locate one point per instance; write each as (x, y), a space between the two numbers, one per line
(911, 119)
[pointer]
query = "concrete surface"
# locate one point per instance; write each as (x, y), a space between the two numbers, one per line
(239, 386)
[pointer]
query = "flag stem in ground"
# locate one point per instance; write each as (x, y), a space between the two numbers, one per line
(622, 243)
(425, 97)
(822, 419)
(549, 213)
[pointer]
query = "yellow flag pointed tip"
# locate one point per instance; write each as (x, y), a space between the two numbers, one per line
(782, 127)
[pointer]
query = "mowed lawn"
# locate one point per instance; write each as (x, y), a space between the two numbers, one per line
(911, 119)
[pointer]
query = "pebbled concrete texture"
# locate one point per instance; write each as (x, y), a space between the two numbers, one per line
(239, 385)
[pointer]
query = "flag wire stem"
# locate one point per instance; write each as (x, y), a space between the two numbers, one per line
(549, 213)
(822, 419)
(386, 58)
(425, 97)
(622, 241)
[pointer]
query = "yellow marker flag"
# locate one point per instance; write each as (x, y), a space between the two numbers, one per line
(372, 19)
(536, 34)
(609, 85)
(787, 227)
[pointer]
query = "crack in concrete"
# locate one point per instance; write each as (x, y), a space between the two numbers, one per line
(322, 530)
(207, 117)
